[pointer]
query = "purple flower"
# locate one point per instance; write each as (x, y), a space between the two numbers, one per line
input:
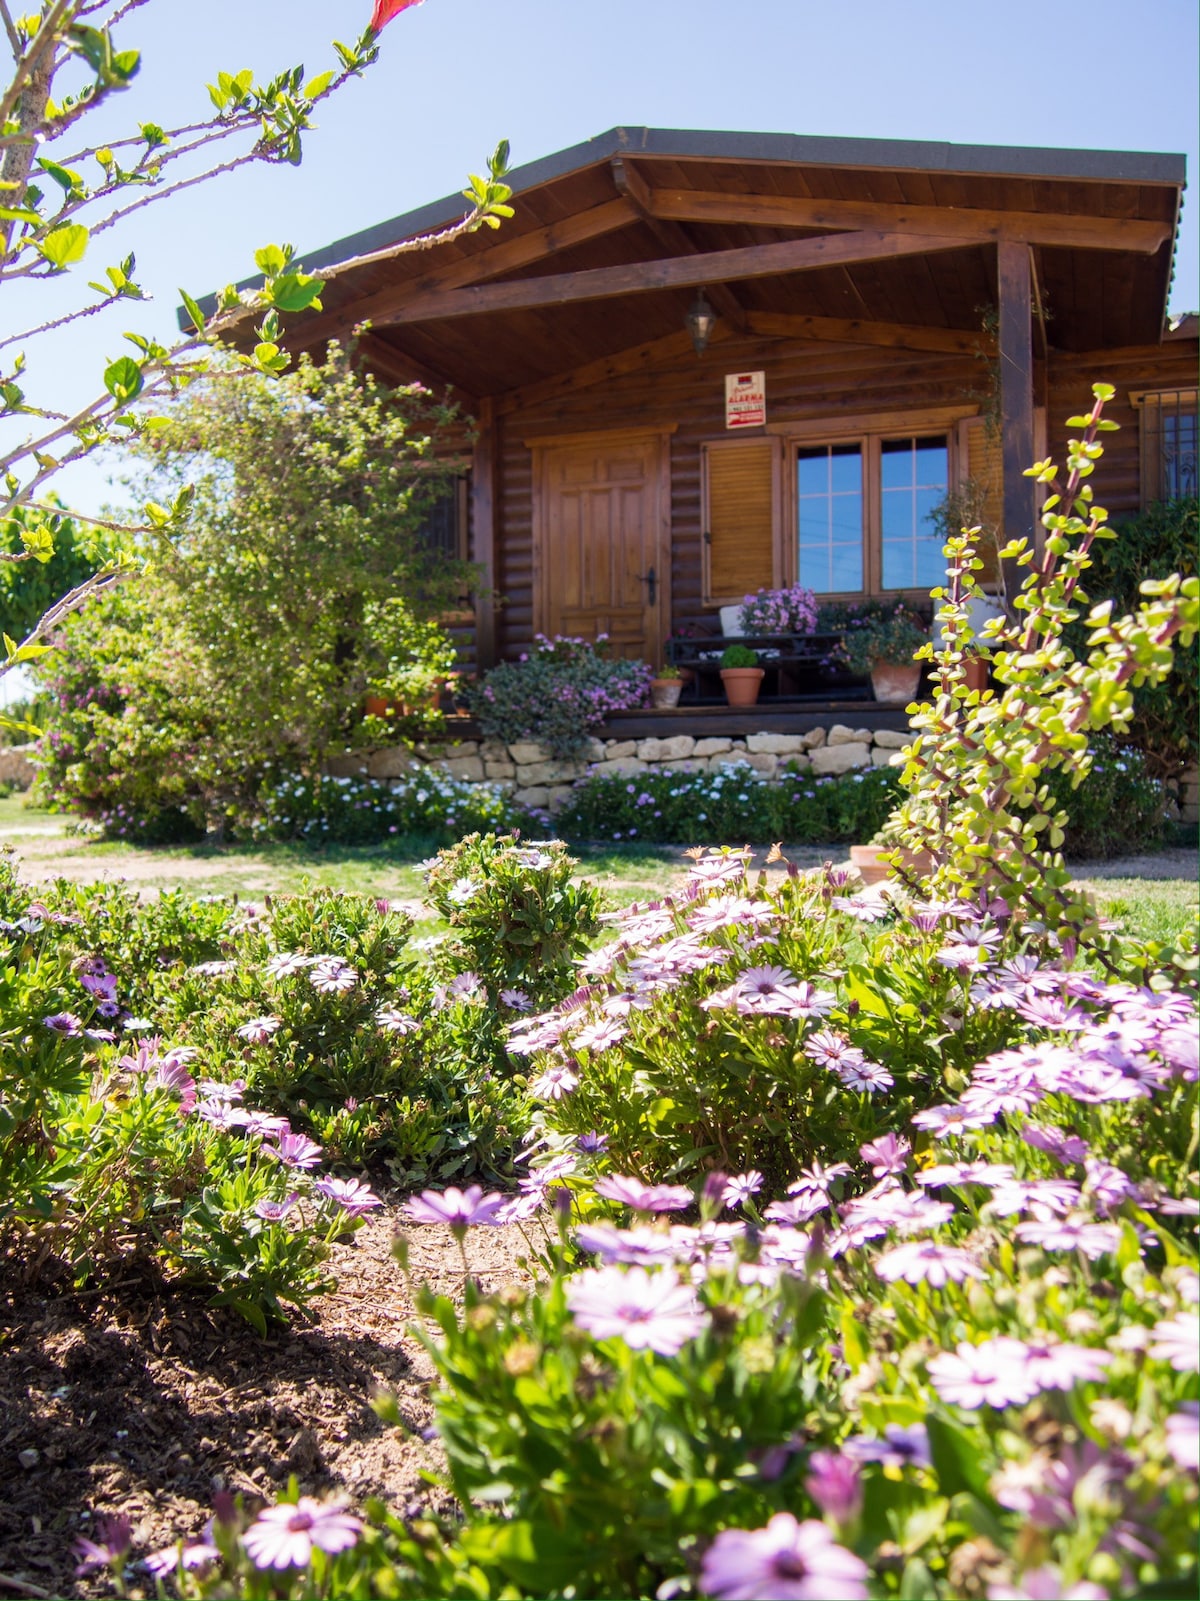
(649, 1311)
(288, 962)
(101, 985)
(556, 1082)
(785, 1561)
(332, 976)
(296, 1150)
(599, 1035)
(1178, 1342)
(1045, 1584)
(865, 1076)
(114, 1536)
(192, 1554)
(993, 1373)
(273, 1211)
(1183, 1435)
(285, 1536)
(516, 1000)
(742, 1187)
(819, 1180)
(927, 1262)
(352, 1195)
(886, 1155)
(590, 1144)
(1073, 1233)
(1065, 1148)
(458, 1208)
(899, 1447)
(644, 1197)
(835, 1484)
(64, 1023)
(393, 1021)
(258, 1030)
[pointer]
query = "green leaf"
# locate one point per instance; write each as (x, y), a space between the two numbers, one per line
(123, 379)
(270, 259)
(295, 291)
(65, 245)
(317, 86)
(70, 182)
(193, 311)
(956, 1458)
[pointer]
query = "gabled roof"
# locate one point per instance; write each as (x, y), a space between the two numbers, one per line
(789, 235)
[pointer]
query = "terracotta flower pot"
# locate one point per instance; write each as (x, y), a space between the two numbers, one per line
(874, 870)
(894, 683)
(665, 692)
(742, 684)
(975, 671)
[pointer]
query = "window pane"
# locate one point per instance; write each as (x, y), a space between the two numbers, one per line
(830, 514)
(1179, 454)
(914, 478)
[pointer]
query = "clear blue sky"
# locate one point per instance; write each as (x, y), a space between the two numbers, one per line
(457, 75)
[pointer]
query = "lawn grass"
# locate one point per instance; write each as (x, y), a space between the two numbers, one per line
(1153, 908)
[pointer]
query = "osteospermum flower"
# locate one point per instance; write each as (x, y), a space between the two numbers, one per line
(644, 1197)
(927, 1262)
(393, 1021)
(190, 1554)
(458, 1208)
(785, 1561)
(993, 1373)
(286, 963)
(296, 1150)
(887, 1155)
(274, 1211)
(258, 1030)
(286, 1536)
(554, 1083)
(64, 1023)
(649, 1311)
(1177, 1341)
(900, 1446)
(1183, 1435)
(114, 1535)
(865, 1076)
(516, 1000)
(352, 1195)
(330, 975)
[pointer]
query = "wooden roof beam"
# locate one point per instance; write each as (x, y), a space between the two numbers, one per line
(636, 359)
(860, 331)
(397, 367)
(672, 236)
(508, 256)
(675, 272)
(964, 222)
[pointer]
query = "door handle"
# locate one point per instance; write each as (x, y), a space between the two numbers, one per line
(650, 578)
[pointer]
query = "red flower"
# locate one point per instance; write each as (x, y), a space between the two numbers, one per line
(385, 10)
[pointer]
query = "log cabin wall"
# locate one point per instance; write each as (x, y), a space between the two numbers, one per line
(805, 381)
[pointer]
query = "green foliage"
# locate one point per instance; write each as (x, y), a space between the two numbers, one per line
(891, 639)
(739, 656)
(733, 802)
(1161, 541)
(64, 554)
(517, 917)
(369, 811)
(1118, 810)
(978, 799)
(557, 694)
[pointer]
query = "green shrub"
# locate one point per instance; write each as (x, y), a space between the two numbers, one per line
(1118, 810)
(368, 811)
(891, 639)
(737, 656)
(557, 694)
(733, 802)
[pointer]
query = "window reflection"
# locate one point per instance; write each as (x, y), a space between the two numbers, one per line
(914, 475)
(830, 502)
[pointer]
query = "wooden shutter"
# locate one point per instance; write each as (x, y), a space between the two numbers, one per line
(741, 544)
(981, 470)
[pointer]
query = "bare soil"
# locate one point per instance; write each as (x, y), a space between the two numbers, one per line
(138, 1399)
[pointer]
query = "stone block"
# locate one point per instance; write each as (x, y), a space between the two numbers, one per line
(494, 750)
(625, 768)
(467, 768)
(881, 757)
(712, 747)
(616, 750)
(535, 797)
(549, 773)
(839, 734)
(776, 744)
(525, 753)
(864, 734)
(452, 751)
(799, 764)
(349, 766)
(558, 795)
(841, 758)
(593, 750)
(499, 767)
(760, 761)
(892, 738)
(392, 763)
(666, 750)
(689, 764)
(814, 739)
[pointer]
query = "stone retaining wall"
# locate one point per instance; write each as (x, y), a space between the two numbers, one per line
(537, 780)
(1189, 796)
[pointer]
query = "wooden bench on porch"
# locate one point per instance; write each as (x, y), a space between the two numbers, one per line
(798, 667)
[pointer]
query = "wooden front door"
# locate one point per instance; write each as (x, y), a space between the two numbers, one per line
(601, 547)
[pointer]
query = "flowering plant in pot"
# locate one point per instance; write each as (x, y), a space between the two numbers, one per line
(741, 675)
(666, 687)
(780, 611)
(884, 647)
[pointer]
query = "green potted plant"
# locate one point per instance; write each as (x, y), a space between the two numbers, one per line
(884, 647)
(741, 675)
(666, 688)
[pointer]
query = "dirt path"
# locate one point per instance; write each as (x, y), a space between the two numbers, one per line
(147, 1403)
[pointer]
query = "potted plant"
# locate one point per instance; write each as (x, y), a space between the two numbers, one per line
(779, 611)
(666, 688)
(741, 675)
(884, 647)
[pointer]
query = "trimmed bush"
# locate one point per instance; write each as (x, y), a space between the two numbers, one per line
(557, 694)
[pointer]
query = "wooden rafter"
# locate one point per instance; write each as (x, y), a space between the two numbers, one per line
(508, 256)
(635, 359)
(398, 367)
(860, 331)
(674, 272)
(672, 236)
(964, 222)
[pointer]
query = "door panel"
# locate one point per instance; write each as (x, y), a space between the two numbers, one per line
(600, 515)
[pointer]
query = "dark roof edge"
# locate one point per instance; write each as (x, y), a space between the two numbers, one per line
(1105, 166)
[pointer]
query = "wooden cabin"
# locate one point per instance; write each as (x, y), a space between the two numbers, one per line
(887, 321)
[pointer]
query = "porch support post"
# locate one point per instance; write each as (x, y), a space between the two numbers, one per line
(483, 529)
(1016, 399)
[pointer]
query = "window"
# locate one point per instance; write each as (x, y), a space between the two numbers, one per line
(1168, 444)
(443, 527)
(864, 513)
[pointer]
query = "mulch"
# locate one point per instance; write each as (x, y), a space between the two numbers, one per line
(133, 1397)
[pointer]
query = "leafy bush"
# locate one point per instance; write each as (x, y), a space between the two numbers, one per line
(892, 639)
(29, 588)
(780, 611)
(736, 656)
(557, 694)
(1161, 541)
(733, 802)
(1118, 810)
(369, 811)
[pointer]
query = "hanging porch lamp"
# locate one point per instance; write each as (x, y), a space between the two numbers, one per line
(701, 320)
